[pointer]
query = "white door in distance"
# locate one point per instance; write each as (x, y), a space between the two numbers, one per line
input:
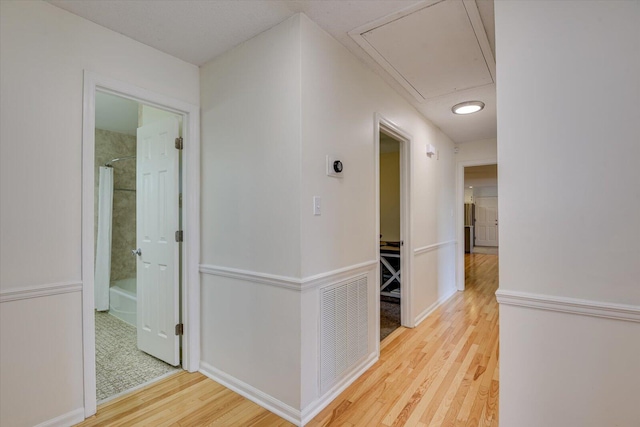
(157, 217)
(486, 221)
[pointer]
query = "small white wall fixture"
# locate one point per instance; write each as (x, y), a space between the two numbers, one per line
(190, 286)
(460, 214)
(406, 250)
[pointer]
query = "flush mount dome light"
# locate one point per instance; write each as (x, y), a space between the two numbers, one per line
(468, 107)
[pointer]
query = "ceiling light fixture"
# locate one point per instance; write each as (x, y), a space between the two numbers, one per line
(468, 107)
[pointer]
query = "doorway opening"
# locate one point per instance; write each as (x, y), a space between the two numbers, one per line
(477, 190)
(481, 209)
(137, 263)
(393, 237)
(390, 235)
(167, 235)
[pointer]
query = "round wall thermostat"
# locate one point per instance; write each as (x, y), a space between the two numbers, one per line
(337, 166)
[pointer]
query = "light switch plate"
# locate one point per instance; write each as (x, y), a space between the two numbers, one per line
(317, 208)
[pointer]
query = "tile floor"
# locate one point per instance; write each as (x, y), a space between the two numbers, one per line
(120, 366)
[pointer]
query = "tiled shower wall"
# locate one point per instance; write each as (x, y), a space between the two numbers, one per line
(110, 145)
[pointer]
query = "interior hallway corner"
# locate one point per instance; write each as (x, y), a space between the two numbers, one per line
(442, 373)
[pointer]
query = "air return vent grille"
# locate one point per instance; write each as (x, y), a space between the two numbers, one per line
(343, 328)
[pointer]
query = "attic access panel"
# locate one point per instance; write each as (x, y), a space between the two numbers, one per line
(438, 49)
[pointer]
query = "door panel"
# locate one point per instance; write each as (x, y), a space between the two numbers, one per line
(157, 220)
(486, 221)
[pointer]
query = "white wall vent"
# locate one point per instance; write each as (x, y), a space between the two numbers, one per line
(343, 328)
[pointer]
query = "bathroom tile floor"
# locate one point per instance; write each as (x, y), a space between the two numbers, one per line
(120, 366)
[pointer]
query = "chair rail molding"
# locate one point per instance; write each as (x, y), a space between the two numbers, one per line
(287, 282)
(607, 310)
(37, 291)
(252, 276)
(424, 249)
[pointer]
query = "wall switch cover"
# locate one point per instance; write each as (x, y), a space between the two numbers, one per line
(317, 205)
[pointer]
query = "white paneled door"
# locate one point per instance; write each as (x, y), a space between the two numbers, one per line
(486, 221)
(157, 216)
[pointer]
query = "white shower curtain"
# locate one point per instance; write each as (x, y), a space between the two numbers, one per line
(102, 275)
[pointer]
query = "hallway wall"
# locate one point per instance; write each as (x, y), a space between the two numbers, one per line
(569, 253)
(44, 53)
(272, 109)
(340, 98)
(251, 196)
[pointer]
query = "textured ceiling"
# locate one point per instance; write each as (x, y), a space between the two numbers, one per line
(198, 31)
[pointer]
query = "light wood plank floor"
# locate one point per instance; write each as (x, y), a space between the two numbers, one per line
(442, 373)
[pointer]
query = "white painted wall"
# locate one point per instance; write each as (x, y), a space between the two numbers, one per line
(490, 191)
(251, 210)
(251, 154)
(390, 196)
(44, 52)
(565, 156)
(41, 360)
(559, 369)
(272, 109)
(339, 99)
(477, 150)
(574, 146)
(468, 195)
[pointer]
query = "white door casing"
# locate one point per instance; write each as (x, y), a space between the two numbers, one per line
(157, 220)
(190, 250)
(406, 249)
(486, 228)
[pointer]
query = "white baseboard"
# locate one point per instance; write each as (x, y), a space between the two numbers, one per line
(299, 418)
(70, 418)
(253, 394)
(607, 310)
(433, 306)
(319, 404)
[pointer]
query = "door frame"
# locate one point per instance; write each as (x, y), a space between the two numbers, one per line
(405, 139)
(460, 214)
(190, 251)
